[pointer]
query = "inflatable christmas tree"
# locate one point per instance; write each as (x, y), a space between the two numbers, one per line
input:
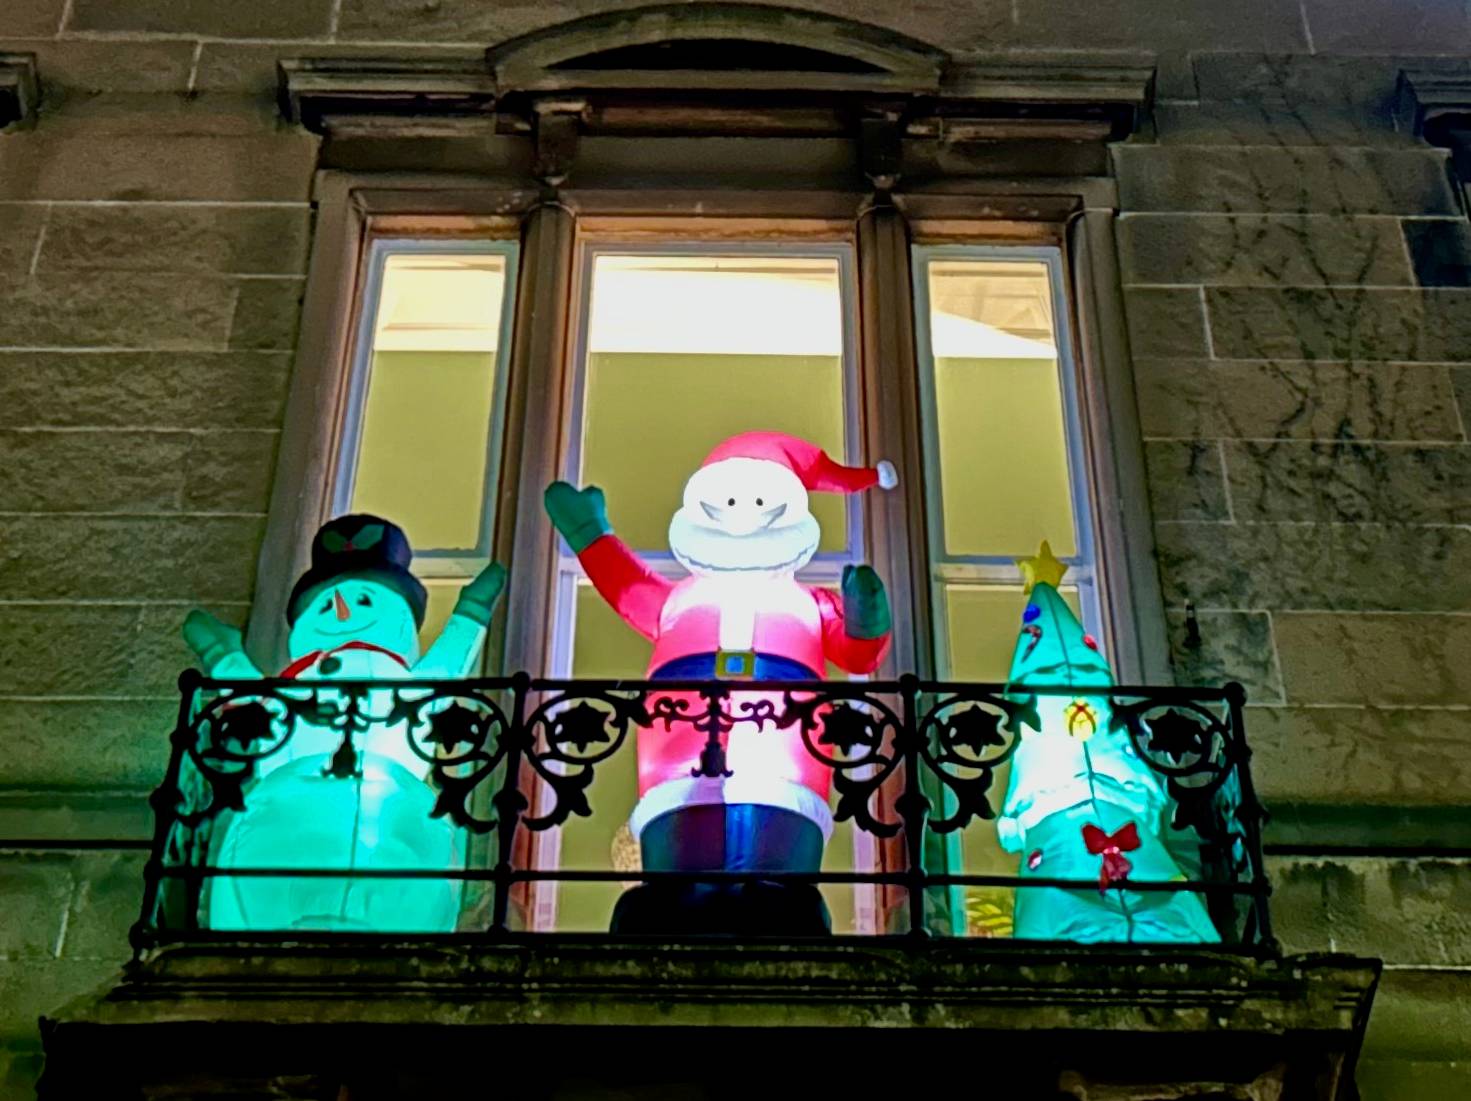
(318, 801)
(1080, 803)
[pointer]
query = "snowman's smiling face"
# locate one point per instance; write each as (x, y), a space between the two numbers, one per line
(744, 517)
(355, 609)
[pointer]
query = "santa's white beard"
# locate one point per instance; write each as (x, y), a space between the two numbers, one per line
(702, 549)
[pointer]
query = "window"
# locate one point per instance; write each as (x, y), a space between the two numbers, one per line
(623, 267)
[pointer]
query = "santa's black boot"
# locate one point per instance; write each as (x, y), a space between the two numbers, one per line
(742, 837)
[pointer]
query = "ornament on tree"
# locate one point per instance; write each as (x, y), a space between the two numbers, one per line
(1079, 797)
(320, 801)
(743, 532)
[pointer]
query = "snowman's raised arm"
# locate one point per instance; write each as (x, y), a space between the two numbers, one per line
(219, 647)
(457, 649)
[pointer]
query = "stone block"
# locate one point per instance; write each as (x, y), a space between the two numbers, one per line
(267, 312)
(1186, 481)
(107, 115)
(20, 230)
(1293, 80)
(1384, 660)
(38, 18)
(1360, 757)
(251, 67)
(1388, 26)
(1275, 180)
(186, 558)
(1407, 911)
(124, 389)
(1256, 123)
(37, 889)
(106, 903)
(70, 165)
(1297, 399)
(88, 66)
(1160, 25)
(229, 471)
(92, 471)
(1350, 482)
(1272, 249)
(1385, 1078)
(91, 650)
(58, 744)
(1423, 1013)
(1233, 646)
(1461, 384)
(243, 240)
(1166, 321)
(1354, 567)
(258, 19)
(1342, 323)
(114, 309)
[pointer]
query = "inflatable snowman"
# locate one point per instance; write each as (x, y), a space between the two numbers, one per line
(355, 614)
(1080, 803)
(743, 532)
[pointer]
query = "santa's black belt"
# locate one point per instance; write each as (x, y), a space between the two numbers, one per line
(733, 665)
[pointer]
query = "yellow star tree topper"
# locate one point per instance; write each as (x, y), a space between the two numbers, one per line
(1041, 567)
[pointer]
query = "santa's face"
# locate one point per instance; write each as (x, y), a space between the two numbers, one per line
(744, 517)
(355, 610)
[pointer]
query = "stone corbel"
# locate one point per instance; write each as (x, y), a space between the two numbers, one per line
(19, 91)
(558, 130)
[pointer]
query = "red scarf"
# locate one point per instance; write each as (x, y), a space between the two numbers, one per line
(306, 661)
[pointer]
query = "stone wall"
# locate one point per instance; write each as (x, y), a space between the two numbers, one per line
(1296, 277)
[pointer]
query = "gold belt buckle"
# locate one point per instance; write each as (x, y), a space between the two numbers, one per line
(735, 664)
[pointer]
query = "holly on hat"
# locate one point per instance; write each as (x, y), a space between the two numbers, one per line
(359, 547)
(813, 466)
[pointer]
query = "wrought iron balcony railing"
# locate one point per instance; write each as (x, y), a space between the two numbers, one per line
(492, 761)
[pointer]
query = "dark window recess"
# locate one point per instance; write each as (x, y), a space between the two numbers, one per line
(1440, 250)
(721, 55)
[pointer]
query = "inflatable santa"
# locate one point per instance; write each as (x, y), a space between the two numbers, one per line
(354, 615)
(743, 532)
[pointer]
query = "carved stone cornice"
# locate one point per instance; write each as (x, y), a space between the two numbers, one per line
(1435, 104)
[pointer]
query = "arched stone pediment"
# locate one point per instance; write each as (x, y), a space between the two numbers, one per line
(756, 46)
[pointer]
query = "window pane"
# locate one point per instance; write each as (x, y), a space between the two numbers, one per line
(425, 436)
(981, 625)
(442, 593)
(999, 415)
(684, 351)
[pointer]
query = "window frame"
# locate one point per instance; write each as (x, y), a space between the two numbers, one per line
(353, 206)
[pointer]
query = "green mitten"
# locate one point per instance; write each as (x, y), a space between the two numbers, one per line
(212, 640)
(581, 515)
(865, 604)
(477, 599)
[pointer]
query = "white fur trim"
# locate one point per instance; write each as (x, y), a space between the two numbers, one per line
(888, 476)
(703, 791)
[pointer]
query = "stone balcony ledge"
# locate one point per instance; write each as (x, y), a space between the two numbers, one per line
(1047, 1014)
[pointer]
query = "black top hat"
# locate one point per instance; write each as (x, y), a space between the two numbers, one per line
(363, 547)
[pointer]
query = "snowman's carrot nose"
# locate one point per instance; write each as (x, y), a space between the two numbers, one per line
(342, 612)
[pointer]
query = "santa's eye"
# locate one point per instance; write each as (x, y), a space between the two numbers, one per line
(759, 502)
(731, 501)
(365, 601)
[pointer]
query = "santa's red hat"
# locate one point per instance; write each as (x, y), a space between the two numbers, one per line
(813, 466)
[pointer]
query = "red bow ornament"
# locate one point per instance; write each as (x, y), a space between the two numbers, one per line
(1116, 866)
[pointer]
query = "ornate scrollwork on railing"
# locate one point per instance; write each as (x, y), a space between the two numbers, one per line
(1190, 745)
(964, 737)
(905, 757)
(568, 735)
(857, 736)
